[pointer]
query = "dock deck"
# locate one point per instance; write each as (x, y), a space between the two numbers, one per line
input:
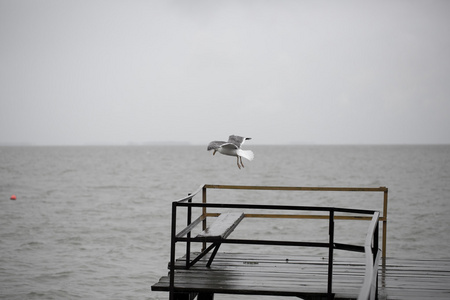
(306, 277)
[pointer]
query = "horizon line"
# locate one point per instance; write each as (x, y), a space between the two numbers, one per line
(184, 143)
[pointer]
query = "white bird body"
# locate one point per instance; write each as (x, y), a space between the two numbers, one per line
(248, 154)
(232, 148)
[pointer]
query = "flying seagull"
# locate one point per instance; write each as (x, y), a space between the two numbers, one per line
(232, 148)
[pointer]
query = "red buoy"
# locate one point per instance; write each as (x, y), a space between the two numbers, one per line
(13, 197)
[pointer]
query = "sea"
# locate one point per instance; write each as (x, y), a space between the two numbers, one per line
(93, 222)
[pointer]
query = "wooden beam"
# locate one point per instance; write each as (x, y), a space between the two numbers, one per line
(292, 188)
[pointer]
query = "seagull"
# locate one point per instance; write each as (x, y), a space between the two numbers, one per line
(232, 148)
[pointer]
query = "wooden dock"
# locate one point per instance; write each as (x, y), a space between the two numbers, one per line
(415, 279)
(357, 272)
(306, 277)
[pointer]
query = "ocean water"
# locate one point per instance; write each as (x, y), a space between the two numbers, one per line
(94, 222)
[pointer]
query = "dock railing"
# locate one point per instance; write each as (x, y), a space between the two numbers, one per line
(370, 248)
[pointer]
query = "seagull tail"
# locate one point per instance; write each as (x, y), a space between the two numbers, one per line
(248, 154)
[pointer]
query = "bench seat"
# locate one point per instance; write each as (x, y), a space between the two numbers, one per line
(222, 227)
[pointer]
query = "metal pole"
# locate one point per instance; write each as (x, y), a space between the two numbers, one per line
(385, 204)
(188, 243)
(375, 254)
(330, 255)
(204, 214)
(172, 252)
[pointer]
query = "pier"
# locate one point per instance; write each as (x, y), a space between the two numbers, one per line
(364, 272)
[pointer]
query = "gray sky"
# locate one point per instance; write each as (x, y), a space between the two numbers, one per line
(322, 72)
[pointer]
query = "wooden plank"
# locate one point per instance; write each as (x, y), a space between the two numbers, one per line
(223, 226)
(190, 227)
(268, 276)
(292, 188)
(306, 276)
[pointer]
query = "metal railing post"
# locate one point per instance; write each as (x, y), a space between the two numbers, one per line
(204, 224)
(188, 243)
(330, 255)
(375, 254)
(385, 204)
(172, 251)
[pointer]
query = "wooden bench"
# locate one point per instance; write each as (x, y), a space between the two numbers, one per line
(222, 227)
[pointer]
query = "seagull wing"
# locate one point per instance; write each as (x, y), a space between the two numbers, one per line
(214, 145)
(237, 140)
(230, 146)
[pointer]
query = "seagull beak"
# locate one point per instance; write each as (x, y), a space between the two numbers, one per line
(214, 153)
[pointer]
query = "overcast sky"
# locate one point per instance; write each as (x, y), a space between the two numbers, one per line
(321, 72)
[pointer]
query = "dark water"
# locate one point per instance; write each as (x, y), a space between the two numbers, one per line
(93, 222)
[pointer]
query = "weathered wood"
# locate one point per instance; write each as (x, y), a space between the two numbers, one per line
(237, 274)
(191, 226)
(223, 226)
(295, 188)
(306, 277)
